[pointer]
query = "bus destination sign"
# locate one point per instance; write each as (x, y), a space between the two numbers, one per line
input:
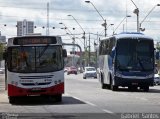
(34, 40)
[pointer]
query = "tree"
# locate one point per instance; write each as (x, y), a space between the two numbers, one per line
(1, 51)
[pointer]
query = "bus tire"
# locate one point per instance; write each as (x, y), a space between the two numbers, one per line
(84, 77)
(146, 88)
(108, 86)
(114, 88)
(12, 99)
(58, 98)
(103, 86)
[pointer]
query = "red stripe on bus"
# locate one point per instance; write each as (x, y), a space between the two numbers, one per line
(17, 91)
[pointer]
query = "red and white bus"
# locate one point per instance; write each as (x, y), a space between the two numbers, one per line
(35, 66)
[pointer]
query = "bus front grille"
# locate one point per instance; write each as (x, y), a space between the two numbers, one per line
(37, 77)
(35, 84)
(47, 79)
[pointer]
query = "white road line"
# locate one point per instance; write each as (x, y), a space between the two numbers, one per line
(77, 98)
(123, 94)
(108, 111)
(142, 98)
(90, 103)
(87, 102)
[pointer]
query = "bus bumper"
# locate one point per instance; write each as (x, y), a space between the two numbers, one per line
(17, 91)
(133, 82)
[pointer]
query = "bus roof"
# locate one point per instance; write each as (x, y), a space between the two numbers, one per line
(33, 36)
(129, 35)
(132, 35)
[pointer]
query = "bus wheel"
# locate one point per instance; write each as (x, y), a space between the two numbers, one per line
(11, 100)
(114, 88)
(103, 86)
(146, 88)
(58, 98)
(108, 86)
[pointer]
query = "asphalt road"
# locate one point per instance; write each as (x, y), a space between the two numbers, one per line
(84, 98)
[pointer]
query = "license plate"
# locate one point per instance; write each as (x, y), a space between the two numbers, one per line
(135, 84)
(36, 89)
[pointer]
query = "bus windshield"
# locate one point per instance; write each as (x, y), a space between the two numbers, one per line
(135, 55)
(35, 59)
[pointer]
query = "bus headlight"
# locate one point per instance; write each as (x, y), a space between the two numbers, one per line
(150, 76)
(14, 83)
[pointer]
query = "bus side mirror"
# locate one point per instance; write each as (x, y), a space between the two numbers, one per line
(64, 53)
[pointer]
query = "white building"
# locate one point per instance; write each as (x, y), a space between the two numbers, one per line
(25, 27)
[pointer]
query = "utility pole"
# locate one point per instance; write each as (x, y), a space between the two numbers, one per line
(89, 53)
(136, 11)
(105, 23)
(83, 35)
(73, 52)
(47, 29)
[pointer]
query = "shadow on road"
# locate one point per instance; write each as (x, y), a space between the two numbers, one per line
(138, 90)
(36, 100)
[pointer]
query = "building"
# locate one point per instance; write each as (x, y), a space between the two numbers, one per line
(2, 39)
(25, 27)
(2, 43)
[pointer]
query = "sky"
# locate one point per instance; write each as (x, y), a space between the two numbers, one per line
(113, 11)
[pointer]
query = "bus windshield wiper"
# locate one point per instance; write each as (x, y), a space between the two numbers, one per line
(43, 51)
(141, 64)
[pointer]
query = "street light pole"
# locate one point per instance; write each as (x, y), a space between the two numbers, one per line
(110, 25)
(84, 37)
(136, 11)
(73, 42)
(147, 16)
(105, 23)
(81, 28)
(89, 55)
(65, 27)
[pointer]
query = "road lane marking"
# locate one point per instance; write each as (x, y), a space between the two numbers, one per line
(108, 111)
(123, 94)
(90, 103)
(144, 99)
(94, 105)
(77, 98)
(87, 102)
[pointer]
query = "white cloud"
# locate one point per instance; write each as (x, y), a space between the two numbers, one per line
(112, 10)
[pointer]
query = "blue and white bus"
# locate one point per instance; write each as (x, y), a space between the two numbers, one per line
(126, 60)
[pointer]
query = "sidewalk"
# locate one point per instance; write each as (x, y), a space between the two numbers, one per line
(2, 83)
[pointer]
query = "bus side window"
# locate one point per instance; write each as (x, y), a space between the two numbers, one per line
(111, 45)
